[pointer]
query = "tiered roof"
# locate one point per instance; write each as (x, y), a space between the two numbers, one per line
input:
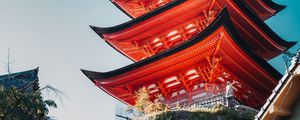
(187, 49)
(172, 25)
(137, 8)
(183, 68)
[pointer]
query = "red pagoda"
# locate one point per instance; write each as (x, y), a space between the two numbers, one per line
(187, 50)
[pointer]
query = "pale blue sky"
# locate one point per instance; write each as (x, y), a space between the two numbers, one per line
(54, 35)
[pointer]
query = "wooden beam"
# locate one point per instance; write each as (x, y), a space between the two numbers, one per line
(279, 111)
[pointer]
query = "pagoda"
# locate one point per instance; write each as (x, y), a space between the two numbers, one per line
(187, 50)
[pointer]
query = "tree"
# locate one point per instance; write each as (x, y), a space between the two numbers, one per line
(142, 100)
(145, 105)
(18, 105)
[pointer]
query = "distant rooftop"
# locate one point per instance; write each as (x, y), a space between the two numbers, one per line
(26, 80)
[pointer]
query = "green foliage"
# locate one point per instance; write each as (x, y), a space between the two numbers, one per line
(232, 114)
(18, 105)
(216, 113)
(185, 115)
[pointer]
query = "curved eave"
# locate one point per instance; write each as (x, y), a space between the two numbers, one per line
(100, 31)
(120, 8)
(274, 6)
(223, 19)
(133, 60)
(114, 46)
(285, 45)
(245, 8)
(91, 75)
(270, 3)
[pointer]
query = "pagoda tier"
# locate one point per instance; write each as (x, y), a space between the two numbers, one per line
(137, 8)
(160, 30)
(264, 8)
(199, 66)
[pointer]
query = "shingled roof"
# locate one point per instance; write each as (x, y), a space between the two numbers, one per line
(26, 81)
